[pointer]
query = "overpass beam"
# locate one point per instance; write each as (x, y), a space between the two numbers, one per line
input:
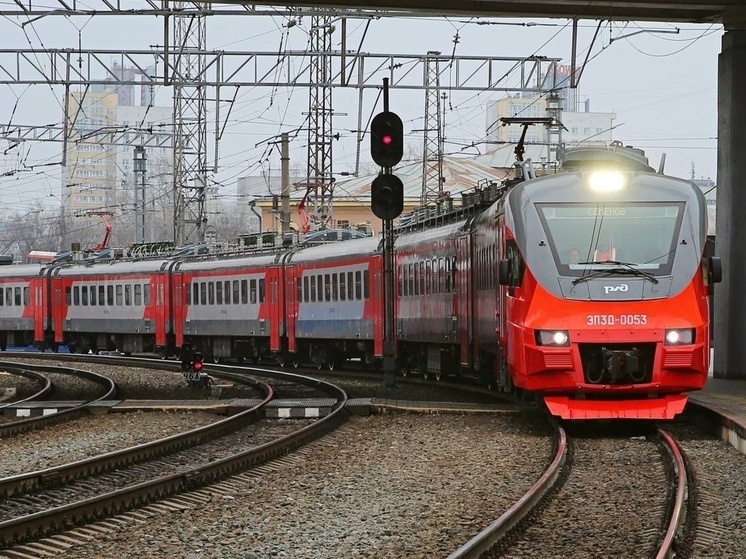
(730, 295)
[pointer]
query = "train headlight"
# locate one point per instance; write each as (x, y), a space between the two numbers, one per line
(553, 338)
(681, 336)
(606, 181)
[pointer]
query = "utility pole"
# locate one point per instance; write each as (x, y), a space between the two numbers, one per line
(285, 170)
(432, 153)
(139, 160)
(190, 121)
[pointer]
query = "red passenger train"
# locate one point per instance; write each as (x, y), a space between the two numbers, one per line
(588, 288)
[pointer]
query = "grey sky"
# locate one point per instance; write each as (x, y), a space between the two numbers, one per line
(662, 86)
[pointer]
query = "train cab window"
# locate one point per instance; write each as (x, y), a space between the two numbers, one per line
(342, 287)
(335, 288)
(244, 292)
(327, 288)
(84, 295)
(252, 292)
(146, 294)
(195, 293)
(26, 296)
(262, 290)
(203, 293)
(210, 292)
(366, 285)
(138, 295)
(235, 292)
(119, 295)
(110, 295)
(219, 292)
(227, 289)
(128, 295)
(358, 285)
(350, 286)
(102, 295)
(515, 275)
(76, 295)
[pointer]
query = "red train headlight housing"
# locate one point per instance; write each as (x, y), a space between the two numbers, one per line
(552, 338)
(679, 336)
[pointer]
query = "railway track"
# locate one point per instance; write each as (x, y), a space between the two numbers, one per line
(539, 519)
(41, 503)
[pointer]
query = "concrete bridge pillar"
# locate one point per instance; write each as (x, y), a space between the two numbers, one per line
(730, 295)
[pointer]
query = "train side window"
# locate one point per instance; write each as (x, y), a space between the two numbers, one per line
(219, 292)
(76, 294)
(138, 294)
(102, 295)
(26, 296)
(335, 288)
(366, 285)
(244, 292)
(92, 294)
(18, 298)
(2, 297)
(400, 274)
(252, 292)
(299, 289)
(306, 290)
(422, 277)
(358, 285)
(410, 280)
(128, 295)
(210, 292)
(262, 290)
(146, 294)
(350, 287)
(515, 269)
(195, 293)
(235, 292)
(188, 293)
(68, 297)
(313, 289)
(227, 290)
(118, 289)
(110, 295)
(342, 286)
(327, 288)
(84, 295)
(203, 293)
(428, 277)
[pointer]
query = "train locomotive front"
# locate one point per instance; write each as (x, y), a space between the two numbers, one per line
(603, 308)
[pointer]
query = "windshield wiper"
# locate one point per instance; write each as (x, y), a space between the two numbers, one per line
(619, 268)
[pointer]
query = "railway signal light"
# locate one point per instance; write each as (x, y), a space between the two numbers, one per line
(386, 139)
(387, 196)
(197, 361)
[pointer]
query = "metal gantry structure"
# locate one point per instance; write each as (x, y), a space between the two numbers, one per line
(192, 70)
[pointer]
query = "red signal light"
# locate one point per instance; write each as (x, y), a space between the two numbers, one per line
(387, 140)
(197, 366)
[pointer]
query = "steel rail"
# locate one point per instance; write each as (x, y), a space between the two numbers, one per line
(33, 375)
(25, 425)
(495, 532)
(35, 526)
(668, 542)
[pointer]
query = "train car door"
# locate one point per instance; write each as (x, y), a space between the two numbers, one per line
(292, 301)
(460, 270)
(179, 306)
(161, 297)
(275, 304)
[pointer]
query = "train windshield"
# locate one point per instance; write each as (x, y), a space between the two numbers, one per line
(591, 236)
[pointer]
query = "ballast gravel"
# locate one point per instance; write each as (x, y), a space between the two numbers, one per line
(399, 486)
